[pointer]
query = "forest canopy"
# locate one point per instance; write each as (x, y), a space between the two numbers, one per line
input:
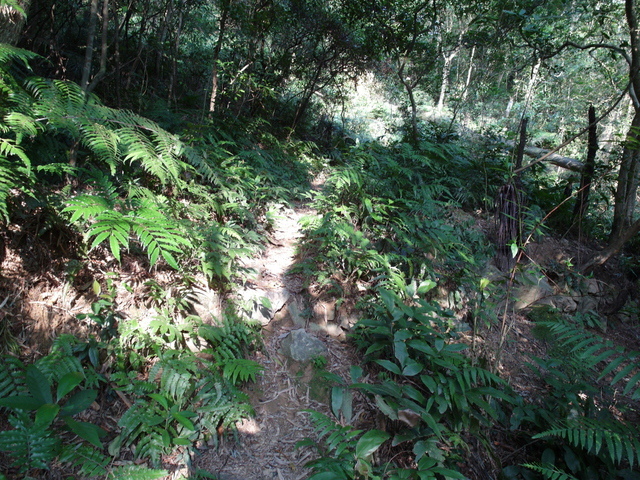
(149, 149)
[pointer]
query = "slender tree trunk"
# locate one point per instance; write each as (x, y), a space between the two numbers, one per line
(226, 6)
(521, 144)
(308, 92)
(614, 247)
(171, 97)
(103, 51)
(629, 174)
(532, 83)
(580, 207)
(88, 54)
(446, 74)
(11, 22)
(409, 86)
(467, 83)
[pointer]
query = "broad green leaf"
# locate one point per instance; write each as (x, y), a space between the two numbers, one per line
(79, 401)
(370, 442)
(385, 408)
(425, 286)
(392, 367)
(411, 368)
(22, 402)
(38, 385)
(46, 414)
(184, 421)
(266, 303)
(337, 397)
(67, 383)
(88, 431)
(161, 399)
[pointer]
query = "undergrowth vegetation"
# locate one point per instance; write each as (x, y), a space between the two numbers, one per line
(388, 224)
(392, 232)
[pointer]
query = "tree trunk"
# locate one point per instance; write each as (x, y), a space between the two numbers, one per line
(532, 82)
(446, 74)
(413, 134)
(628, 179)
(88, 54)
(467, 83)
(629, 174)
(11, 22)
(226, 6)
(614, 247)
(103, 51)
(559, 160)
(587, 174)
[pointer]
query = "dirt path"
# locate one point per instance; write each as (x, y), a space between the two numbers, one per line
(266, 445)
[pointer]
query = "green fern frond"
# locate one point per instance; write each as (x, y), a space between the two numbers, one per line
(158, 235)
(549, 472)
(151, 445)
(12, 375)
(89, 461)
(58, 364)
(9, 53)
(86, 207)
(590, 350)
(240, 369)
(619, 441)
(12, 174)
(30, 444)
(136, 472)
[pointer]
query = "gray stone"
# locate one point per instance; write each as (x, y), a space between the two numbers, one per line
(565, 304)
(261, 305)
(302, 347)
(297, 313)
(207, 304)
(535, 289)
(588, 304)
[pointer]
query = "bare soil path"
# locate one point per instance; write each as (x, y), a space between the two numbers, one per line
(265, 446)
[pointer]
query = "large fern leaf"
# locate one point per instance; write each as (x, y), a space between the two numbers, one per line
(618, 441)
(592, 352)
(549, 472)
(30, 444)
(136, 472)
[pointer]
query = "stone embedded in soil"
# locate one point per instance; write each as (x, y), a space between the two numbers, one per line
(302, 347)
(261, 305)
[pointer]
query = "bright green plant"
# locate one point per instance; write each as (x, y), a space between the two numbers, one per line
(572, 423)
(185, 402)
(428, 388)
(40, 409)
(347, 452)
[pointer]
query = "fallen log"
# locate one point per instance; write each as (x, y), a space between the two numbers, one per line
(541, 154)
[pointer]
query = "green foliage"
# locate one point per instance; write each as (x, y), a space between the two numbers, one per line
(549, 472)
(158, 234)
(382, 218)
(427, 388)
(185, 405)
(574, 421)
(347, 452)
(229, 340)
(40, 414)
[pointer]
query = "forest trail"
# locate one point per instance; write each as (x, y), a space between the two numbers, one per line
(265, 447)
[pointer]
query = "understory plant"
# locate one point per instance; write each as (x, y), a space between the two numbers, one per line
(430, 393)
(117, 183)
(383, 220)
(583, 425)
(176, 398)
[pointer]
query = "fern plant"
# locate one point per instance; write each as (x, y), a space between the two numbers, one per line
(186, 405)
(40, 415)
(574, 422)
